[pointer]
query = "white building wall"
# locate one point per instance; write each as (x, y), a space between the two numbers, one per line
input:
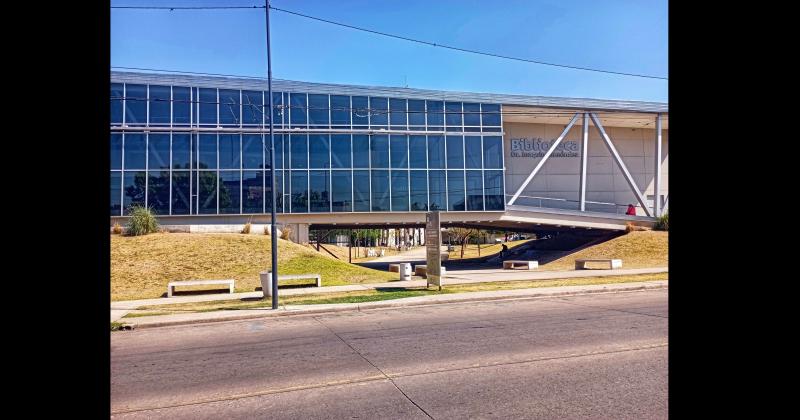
(559, 178)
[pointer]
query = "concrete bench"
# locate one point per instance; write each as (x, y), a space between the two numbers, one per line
(612, 263)
(422, 270)
(529, 265)
(266, 280)
(394, 268)
(171, 286)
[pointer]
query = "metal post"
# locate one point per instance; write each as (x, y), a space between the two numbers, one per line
(350, 248)
(657, 178)
(584, 160)
(273, 228)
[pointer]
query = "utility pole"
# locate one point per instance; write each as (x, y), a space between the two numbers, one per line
(273, 228)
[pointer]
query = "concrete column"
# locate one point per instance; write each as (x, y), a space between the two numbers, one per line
(300, 234)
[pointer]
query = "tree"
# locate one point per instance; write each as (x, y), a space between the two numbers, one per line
(462, 235)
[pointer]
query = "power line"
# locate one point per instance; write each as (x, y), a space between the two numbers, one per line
(186, 7)
(433, 44)
(467, 50)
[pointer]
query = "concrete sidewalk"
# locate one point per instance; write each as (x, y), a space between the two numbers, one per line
(288, 310)
(122, 308)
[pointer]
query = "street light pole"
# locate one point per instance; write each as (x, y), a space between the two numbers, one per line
(273, 227)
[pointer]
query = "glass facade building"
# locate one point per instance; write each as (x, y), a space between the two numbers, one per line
(195, 150)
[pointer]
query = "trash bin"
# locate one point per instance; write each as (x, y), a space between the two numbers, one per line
(266, 282)
(405, 271)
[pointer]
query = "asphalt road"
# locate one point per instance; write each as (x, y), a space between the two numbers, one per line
(591, 356)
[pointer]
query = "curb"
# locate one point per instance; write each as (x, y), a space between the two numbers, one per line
(388, 305)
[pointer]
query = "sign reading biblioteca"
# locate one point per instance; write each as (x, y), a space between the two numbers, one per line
(433, 248)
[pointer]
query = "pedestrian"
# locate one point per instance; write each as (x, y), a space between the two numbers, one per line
(503, 251)
(631, 210)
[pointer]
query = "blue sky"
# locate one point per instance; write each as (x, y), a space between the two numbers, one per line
(625, 36)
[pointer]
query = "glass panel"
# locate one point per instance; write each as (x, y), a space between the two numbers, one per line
(340, 150)
(135, 151)
(252, 151)
(455, 152)
(181, 151)
(159, 105)
(436, 152)
(299, 183)
(438, 190)
(133, 188)
(207, 192)
(361, 191)
(299, 151)
(453, 117)
(297, 110)
(158, 151)
(490, 115)
(280, 191)
(208, 151)
(399, 190)
(319, 191)
(341, 192)
(319, 151)
(116, 190)
(474, 191)
(398, 114)
(379, 108)
(416, 112)
(135, 104)
(229, 113)
(472, 146)
(158, 191)
(419, 191)
(360, 111)
(435, 115)
(116, 103)
(252, 192)
(229, 192)
(181, 106)
(360, 151)
(279, 150)
(399, 151)
(318, 112)
(493, 189)
(229, 151)
(208, 106)
(340, 110)
(380, 190)
(180, 192)
(252, 107)
(472, 114)
(116, 151)
(278, 109)
(417, 151)
(492, 152)
(379, 151)
(455, 190)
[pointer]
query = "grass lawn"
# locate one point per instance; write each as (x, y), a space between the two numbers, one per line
(391, 293)
(638, 249)
(471, 250)
(141, 266)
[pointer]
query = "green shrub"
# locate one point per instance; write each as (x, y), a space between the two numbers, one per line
(142, 221)
(663, 222)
